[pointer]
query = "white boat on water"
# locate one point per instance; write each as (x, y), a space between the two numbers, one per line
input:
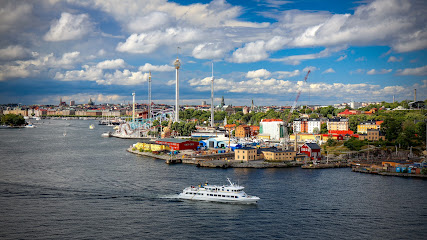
(106, 134)
(92, 126)
(232, 193)
(30, 125)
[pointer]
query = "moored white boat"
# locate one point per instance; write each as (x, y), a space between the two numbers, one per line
(91, 126)
(232, 193)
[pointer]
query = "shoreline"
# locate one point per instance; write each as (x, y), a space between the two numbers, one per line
(389, 173)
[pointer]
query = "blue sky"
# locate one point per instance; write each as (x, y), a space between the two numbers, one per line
(261, 50)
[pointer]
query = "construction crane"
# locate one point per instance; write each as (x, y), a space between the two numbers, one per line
(288, 119)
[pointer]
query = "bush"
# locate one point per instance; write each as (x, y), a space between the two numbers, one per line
(354, 144)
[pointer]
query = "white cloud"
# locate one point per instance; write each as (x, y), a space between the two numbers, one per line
(296, 59)
(358, 71)
(151, 41)
(311, 68)
(88, 73)
(394, 59)
(111, 64)
(14, 71)
(69, 27)
(13, 15)
(341, 58)
(211, 50)
(251, 52)
(329, 70)
(163, 68)
(148, 22)
(286, 74)
(382, 71)
(420, 71)
(124, 77)
(32, 67)
(260, 73)
(14, 52)
(360, 59)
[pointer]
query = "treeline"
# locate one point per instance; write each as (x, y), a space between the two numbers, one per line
(12, 120)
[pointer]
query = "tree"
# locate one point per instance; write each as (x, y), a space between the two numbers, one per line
(314, 115)
(324, 128)
(354, 144)
(13, 120)
(316, 130)
(391, 127)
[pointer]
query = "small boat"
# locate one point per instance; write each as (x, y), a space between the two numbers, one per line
(106, 134)
(30, 125)
(232, 193)
(92, 126)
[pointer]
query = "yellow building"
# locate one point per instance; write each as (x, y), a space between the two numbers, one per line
(151, 147)
(279, 155)
(338, 124)
(372, 135)
(364, 126)
(245, 154)
(307, 137)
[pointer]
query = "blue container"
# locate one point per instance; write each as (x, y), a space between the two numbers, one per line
(398, 169)
(409, 170)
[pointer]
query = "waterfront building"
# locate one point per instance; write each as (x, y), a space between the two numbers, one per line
(279, 155)
(372, 135)
(364, 126)
(216, 142)
(275, 128)
(312, 150)
(245, 154)
(340, 124)
(178, 144)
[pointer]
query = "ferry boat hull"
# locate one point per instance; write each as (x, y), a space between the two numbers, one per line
(232, 193)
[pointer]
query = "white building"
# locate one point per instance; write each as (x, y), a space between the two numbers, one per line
(273, 127)
(305, 125)
(355, 105)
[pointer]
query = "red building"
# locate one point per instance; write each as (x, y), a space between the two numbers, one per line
(311, 149)
(178, 144)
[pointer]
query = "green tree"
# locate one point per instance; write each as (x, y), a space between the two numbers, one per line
(13, 120)
(391, 127)
(314, 115)
(324, 128)
(354, 144)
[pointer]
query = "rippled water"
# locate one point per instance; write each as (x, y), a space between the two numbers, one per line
(83, 186)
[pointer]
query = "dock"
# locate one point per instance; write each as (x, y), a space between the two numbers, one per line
(326, 165)
(360, 170)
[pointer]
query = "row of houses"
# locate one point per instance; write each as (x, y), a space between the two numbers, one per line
(307, 150)
(313, 125)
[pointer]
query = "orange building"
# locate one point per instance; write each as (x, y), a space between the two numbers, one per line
(242, 131)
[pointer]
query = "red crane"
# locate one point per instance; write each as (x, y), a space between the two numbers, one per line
(292, 110)
(296, 100)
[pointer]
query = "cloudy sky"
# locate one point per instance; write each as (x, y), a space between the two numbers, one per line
(260, 49)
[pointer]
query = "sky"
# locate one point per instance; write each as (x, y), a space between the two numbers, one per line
(261, 50)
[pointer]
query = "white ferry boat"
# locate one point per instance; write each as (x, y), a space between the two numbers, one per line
(232, 193)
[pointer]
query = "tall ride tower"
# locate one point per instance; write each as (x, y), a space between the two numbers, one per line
(177, 65)
(212, 99)
(149, 98)
(133, 107)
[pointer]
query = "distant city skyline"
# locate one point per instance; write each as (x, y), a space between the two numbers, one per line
(363, 51)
